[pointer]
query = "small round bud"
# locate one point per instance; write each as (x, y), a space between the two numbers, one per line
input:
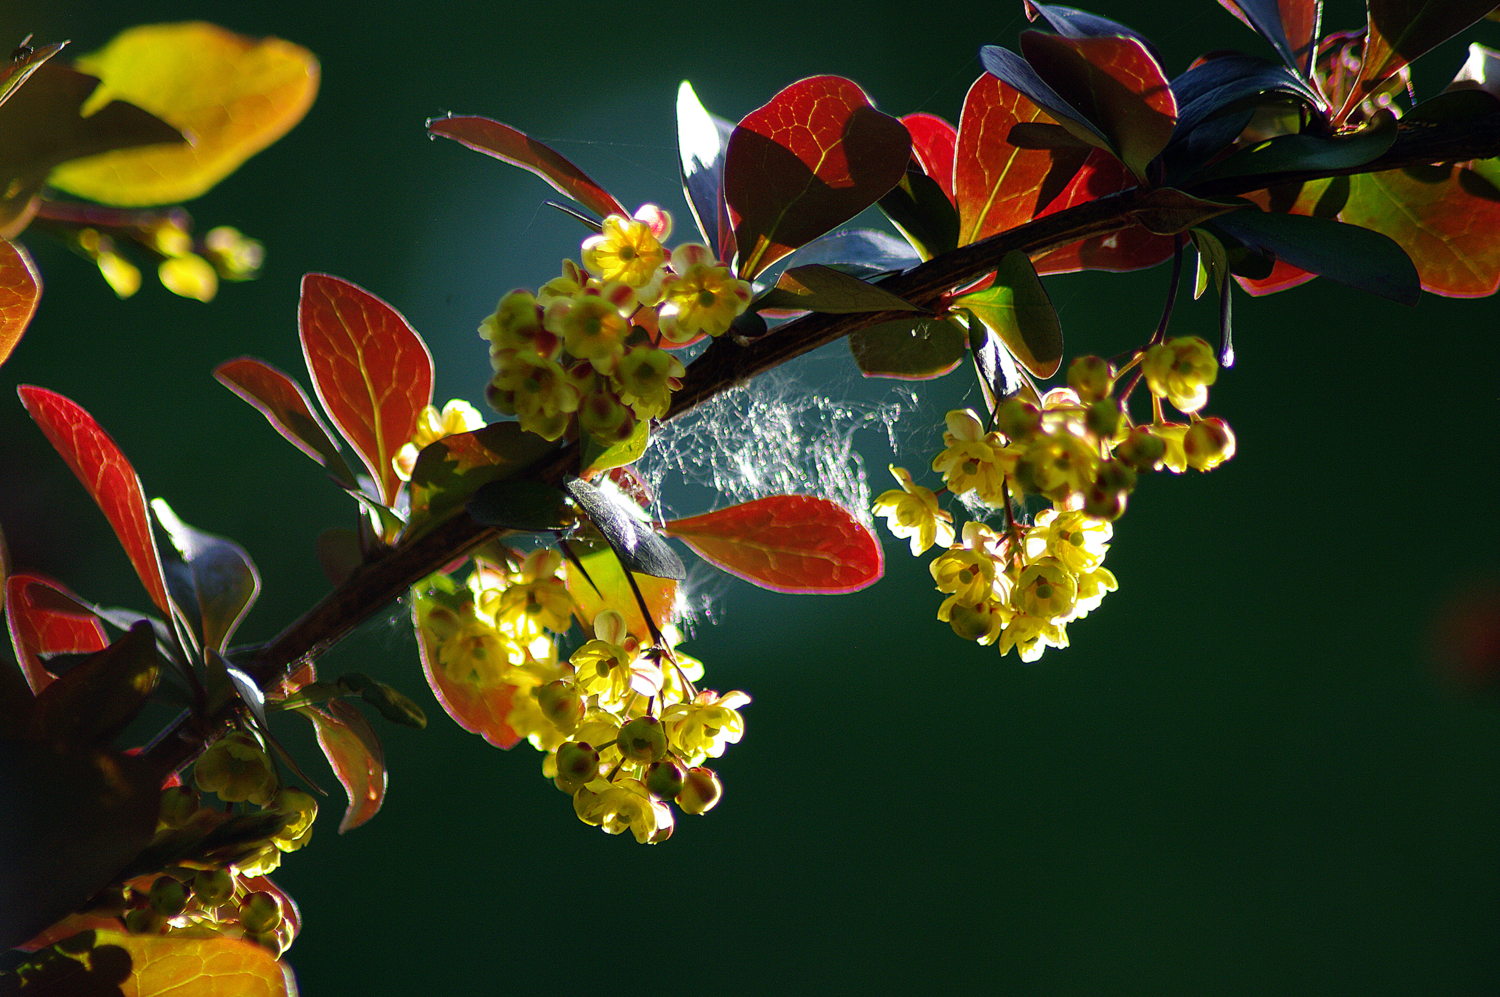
(168, 896)
(1116, 476)
(577, 765)
(1104, 503)
(178, 804)
(1208, 443)
(145, 921)
(701, 791)
(1017, 419)
(1091, 377)
(643, 740)
(1103, 418)
(270, 939)
(664, 779)
(213, 886)
(561, 704)
(1142, 450)
(259, 912)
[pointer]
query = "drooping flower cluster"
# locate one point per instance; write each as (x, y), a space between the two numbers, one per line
(624, 729)
(1018, 585)
(588, 353)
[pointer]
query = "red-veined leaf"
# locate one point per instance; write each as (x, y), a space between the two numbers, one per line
(606, 588)
(1400, 30)
(286, 406)
(477, 708)
(510, 146)
(20, 287)
(371, 370)
(1011, 161)
(108, 476)
(1291, 26)
(786, 543)
(934, 142)
(1113, 82)
(1129, 248)
(41, 625)
(356, 756)
(811, 158)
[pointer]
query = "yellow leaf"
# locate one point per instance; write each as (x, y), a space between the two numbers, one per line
(230, 95)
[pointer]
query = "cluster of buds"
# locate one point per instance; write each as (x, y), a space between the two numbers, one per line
(1019, 584)
(588, 353)
(237, 769)
(623, 728)
(188, 267)
(200, 903)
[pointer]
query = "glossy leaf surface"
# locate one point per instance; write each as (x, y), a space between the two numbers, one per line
(510, 146)
(702, 140)
(598, 457)
(817, 288)
(20, 289)
(225, 581)
(24, 61)
(1113, 82)
(42, 625)
(1400, 30)
(231, 94)
(1291, 26)
(786, 543)
(1016, 308)
(607, 588)
(356, 756)
(813, 157)
(41, 127)
(637, 544)
(476, 708)
(450, 470)
(857, 252)
(286, 406)
(910, 349)
(107, 475)
(370, 369)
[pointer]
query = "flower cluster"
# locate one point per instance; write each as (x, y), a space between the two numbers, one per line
(1020, 584)
(623, 728)
(588, 352)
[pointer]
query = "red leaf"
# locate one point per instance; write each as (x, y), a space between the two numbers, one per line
(933, 142)
(39, 625)
(1291, 26)
(811, 158)
(1130, 248)
(20, 287)
(286, 406)
(1114, 82)
(477, 710)
(1400, 30)
(108, 476)
(786, 543)
(510, 146)
(371, 370)
(356, 756)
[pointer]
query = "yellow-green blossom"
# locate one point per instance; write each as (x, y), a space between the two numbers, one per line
(701, 297)
(625, 250)
(914, 512)
(1180, 370)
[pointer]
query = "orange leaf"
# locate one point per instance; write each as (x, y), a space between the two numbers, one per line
(356, 756)
(194, 967)
(20, 287)
(39, 625)
(477, 710)
(786, 543)
(106, 473)
(371, 370)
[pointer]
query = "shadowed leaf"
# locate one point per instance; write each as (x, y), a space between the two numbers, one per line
(999, 376)
(41, 625)
(20, 289)
(108, 476)
(231, 94)
(286, 406)
(786, 543)
(450, 470)
(813, 157)
(1020, 75)
(922, 212)
(386, 699)
(1016, 309)
(520, 504)
(41, 126)
(859, 252)
(101, 961)
(606, 588)
(354, 751)
(817, 288)
(94, 700)
(1306, 151)
(702, 140)
(1400, 30)
(1167, 211)
(224, 578)
(1071, 23)
(370, 369)
(510, 146)
(910, 349)
(1129, 248)
(1291, 26)
(637, 544)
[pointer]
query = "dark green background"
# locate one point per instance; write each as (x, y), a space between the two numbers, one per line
(1244, 777)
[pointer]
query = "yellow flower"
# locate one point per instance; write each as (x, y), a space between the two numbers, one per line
(1076, 540)
(1091, 589)
(1030, 636)
(974, 460)
(968, 574)
(625, 250)
(457, 417)
(538, 600)
(1058, 465)
(702, 298)
(1045, 590)
(537, 390)
(1180, 370)
(516, 324)
(982, 621)
(706, 726)
(645, 379)
(623, 805)
(913, 512)
(304, 810)
(237, 769)
(594, 324)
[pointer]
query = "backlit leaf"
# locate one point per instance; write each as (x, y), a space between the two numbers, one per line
(702, 140)
(41, 625)
(450, 470)
(607, 588)
(23, 62)
(1291, 26)
(510, 146)
(231, 95)
(354, 751)
(370, 369)
(283, 402)
(1020, 75)
(911, 349)
(477, 708)
(811, 158)
(1016, 309)
(102, 961)
(817, 288)
(108, 476)
(786, 543)
(638, 546)
(41, 127)
(934, 143)
(20, 288)
(1400, 30)
(224, 578)
(1129, 248)
(1113, 82)
(599, 457)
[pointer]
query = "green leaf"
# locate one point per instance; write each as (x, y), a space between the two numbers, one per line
(598, 458)
(606, 587)
(391, 704)
(1306, 151)
(22, 63)
(448, 472)
(224, 578)
(1168, 211)
(1016, 309)
(912, 349)
(817, 288)
(920, 208)
(520, 504)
